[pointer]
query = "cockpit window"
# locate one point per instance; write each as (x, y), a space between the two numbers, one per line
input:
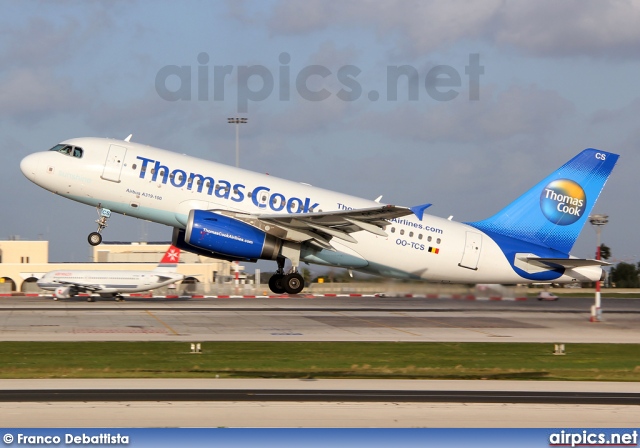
(69, 150)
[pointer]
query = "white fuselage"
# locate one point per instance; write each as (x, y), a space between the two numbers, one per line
(107, 282)
(130, 179)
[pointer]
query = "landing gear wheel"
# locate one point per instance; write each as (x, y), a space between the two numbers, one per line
(104, 214)
(94, 238)
(276, 284)
(293, 283)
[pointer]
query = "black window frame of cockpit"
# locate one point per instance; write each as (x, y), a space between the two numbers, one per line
(73, 151)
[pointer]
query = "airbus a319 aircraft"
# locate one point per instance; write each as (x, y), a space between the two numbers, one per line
(112, 283)
(234, 214)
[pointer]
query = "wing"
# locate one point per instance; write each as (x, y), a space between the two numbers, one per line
(82, 286)
(320, 228)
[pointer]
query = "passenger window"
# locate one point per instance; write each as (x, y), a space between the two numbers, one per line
(429, 238)
(393, 230)
(410, 234)
(401, 231)
(438, 241)
(420, 236)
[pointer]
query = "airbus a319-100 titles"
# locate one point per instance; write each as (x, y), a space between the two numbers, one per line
(235, 214)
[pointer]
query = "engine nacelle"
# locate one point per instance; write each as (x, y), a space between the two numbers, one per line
(178, 241)
(65, 292)
(230, 237)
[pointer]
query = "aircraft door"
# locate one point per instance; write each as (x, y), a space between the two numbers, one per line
(472, 247)
(113, 163)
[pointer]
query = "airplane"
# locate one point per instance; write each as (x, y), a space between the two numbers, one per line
(112, 283)
(238, 215)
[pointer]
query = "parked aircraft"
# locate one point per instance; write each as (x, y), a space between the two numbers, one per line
(235, 214)
(112, 283)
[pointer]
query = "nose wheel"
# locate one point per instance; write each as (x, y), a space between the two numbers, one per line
(95, 238)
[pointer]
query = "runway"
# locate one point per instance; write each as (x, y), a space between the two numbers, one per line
(326, 319)
(284, 403)
(292, 403)
(322, 395)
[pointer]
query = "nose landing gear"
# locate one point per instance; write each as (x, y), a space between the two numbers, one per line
(95, 238)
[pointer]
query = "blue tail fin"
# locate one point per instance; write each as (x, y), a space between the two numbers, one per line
(553, 213)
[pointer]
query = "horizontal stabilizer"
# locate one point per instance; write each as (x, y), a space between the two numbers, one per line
(568, 263)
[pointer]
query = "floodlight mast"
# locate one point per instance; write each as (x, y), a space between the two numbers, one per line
(237, 121)
(598, 221)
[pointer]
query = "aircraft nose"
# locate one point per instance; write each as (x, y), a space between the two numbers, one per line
(29, 166)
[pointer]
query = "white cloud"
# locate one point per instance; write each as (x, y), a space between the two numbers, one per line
(543, 27)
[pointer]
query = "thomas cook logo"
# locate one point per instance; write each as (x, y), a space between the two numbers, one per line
(563, 202)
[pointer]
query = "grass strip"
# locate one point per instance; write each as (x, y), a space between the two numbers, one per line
(504, 361)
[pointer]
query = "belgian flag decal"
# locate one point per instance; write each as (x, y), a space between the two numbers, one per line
(434, 250)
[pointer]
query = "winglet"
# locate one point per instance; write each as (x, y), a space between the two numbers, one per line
(418, 210)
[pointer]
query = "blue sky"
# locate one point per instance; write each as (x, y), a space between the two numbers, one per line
(558, 77)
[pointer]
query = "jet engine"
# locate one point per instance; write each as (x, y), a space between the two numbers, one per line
(65, 292)
(220, 236)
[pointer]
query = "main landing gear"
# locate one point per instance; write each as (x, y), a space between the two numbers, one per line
(291, 283)
(95, 238)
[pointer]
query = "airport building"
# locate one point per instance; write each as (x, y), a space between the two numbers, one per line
(22, 263)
